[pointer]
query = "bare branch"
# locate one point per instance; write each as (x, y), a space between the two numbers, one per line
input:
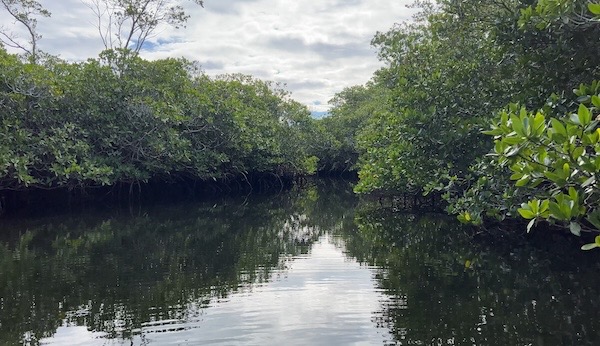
(132, 22)
(10, 39)
(101, 12)
(23, 12)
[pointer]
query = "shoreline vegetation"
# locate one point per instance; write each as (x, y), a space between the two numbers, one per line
(491, 106)
(123, 121)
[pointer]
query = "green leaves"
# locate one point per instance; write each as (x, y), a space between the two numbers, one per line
(556, 159)
(593, 245)
(594, 218)
(594, 8)
(595, 101)
(544, 161)
(533, 210)
(439, 99)
(558, 129)
(583, 116)
(575, 228)
(125, 119)
(514, 133)
(467, 218)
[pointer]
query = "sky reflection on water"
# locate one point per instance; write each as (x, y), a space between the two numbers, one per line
(322, 298)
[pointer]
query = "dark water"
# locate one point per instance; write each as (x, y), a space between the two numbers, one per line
(306, 267)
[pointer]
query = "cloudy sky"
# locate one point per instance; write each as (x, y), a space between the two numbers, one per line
(315, 47)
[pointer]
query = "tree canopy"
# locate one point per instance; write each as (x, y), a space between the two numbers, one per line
(463, 67)
(120, 118)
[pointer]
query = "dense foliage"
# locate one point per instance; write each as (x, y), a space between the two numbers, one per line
(122, 119)
(351, 108)
(554, 156)
(463, 67)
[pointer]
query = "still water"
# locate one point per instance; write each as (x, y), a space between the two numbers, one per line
(312, 266)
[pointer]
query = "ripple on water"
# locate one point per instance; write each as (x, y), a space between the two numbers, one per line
(320, 298)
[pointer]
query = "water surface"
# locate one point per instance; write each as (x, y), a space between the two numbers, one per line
(311, 266)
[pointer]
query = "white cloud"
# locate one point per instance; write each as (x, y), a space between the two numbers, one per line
(316, 47)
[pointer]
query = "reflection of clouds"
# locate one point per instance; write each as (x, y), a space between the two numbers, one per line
(74, 336)
(323, 299)
(326, 41)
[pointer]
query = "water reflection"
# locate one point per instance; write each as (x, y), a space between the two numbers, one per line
(119, 274)
(305, 267)
(295, 308)
(448, 288)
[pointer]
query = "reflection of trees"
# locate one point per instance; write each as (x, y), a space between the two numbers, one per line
(445, 288)
(114, 273)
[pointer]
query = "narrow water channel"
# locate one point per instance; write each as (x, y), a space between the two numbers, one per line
(311, 266)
